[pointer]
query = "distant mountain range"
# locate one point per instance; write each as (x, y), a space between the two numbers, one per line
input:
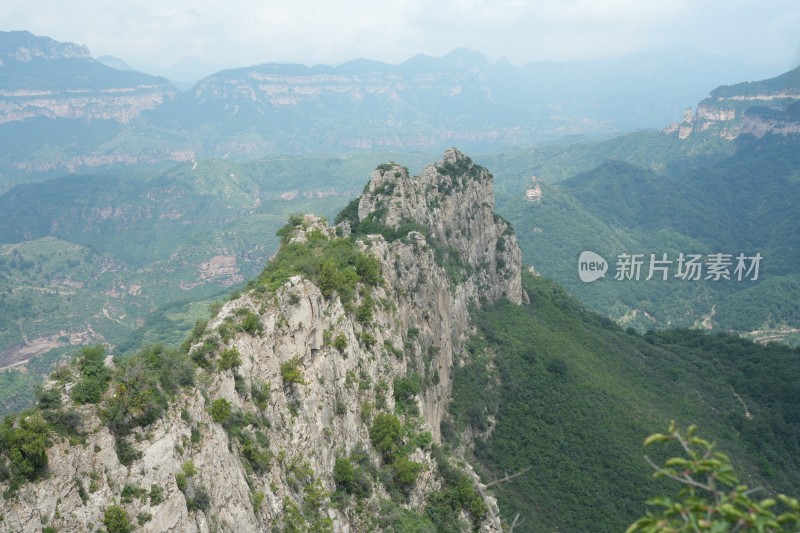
(320, 402)
(725, 180)
(61, 110)
(106, 253)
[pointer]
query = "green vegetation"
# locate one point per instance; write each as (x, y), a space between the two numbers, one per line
(534, 374)
(386, 434)
(64, 267)
(220, 410)
(229, 358)
(256, 452)
(334, 265)
(541, 371)
(367, 339)
(197, 497)
(460, 169)
(94, 375)
(143, 385)
(251, 323)
(711, 497)
(291, 372)
(767, 379)
(340, 342)
(23, 448)
(373, 225)
(156, 494)
(444, 506)
(406, 472)
(349, 214)
(350, 478)
(643, 195)
(405, 391)
(446, 257)
(116, 520)
(393, 517)
(129, 492)
(311, 515)
(364, 310)
(260, 394)
(247, 430)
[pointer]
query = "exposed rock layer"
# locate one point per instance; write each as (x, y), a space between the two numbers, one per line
(419, 324)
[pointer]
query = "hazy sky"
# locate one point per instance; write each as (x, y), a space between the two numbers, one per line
(246, 32)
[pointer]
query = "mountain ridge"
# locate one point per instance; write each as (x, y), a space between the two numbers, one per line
(380, 332)
(319, 397)
(424, 102)
(729, 111)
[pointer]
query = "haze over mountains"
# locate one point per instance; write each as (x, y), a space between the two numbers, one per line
(61, 110)
(723, 179)
(372, 372)
(186, 233)
(385, 356)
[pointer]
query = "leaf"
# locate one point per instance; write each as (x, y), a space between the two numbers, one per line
(766, 504)
(702, 442)
(641, 524)
(656, 437)
(722, 456)
(729, 509)
(661, 501)
(677, 461)
(789, 502)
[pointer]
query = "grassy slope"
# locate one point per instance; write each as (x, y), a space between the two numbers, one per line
(574, 396)
(729, 203)
(115, 233)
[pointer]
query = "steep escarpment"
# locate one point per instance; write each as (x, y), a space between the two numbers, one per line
(60, 109)
(755, 108)
(43, 78)
(311, 401)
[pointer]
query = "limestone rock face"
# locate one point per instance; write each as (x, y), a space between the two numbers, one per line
(55, 80)
(312, 378)
(454, 201)
(750, 108)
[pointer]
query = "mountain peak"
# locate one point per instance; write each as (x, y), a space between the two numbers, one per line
(338, 360)
(23, 46)
(466, 56)
(452, 201)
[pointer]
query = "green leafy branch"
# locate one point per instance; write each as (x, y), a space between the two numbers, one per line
(711, 498)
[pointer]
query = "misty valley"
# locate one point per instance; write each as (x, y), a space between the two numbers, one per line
(443, 295)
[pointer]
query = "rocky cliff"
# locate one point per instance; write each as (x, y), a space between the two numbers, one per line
(316, 396)
(755, 108)
(43, 78)
(61, 110)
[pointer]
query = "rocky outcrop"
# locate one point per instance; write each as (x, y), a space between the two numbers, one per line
(23, 46)
(754, 108)
(760, 121)
(314, 371)
(122, 104)
(55, 80)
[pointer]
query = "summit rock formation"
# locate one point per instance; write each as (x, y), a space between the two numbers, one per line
(317, 394)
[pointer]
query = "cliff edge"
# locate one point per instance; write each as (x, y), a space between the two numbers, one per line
(310, 402)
